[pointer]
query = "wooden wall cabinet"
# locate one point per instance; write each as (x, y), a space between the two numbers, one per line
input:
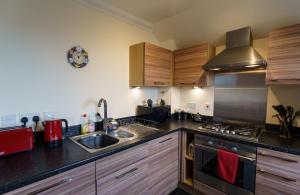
(150, 66)
(188, 64)
(277, 173)
(284, 56)
(79, 181)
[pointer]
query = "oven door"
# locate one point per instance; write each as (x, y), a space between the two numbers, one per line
(205, 171)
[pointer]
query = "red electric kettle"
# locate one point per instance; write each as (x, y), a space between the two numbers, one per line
(53, 130)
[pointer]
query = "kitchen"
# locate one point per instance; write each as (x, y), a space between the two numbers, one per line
(134, 55)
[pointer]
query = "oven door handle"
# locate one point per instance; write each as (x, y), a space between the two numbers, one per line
(201, 146)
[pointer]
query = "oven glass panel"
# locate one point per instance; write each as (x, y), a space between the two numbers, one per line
(208, 161)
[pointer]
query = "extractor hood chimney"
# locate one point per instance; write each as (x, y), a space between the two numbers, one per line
(239, 54)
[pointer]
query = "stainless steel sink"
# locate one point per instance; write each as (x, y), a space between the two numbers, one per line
(121, 134)
(98, 141)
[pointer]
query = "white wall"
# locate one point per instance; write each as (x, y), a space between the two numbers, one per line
(35, 76)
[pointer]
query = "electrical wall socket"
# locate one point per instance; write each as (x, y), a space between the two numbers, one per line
(29, 116)
(8, 120)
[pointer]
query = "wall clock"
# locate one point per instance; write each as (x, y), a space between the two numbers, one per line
(78, 57)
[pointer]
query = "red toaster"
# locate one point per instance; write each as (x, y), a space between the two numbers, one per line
(14, 140)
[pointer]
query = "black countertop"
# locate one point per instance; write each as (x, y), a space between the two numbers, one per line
(268, 139)
(25, 168)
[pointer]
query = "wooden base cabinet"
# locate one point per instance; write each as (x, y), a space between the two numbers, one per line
(148, 169)
(151, 168)
(79, 181)
(277, 173)
(164, 165)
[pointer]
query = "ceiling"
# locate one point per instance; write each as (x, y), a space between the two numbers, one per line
(189, 22)
(153, 11)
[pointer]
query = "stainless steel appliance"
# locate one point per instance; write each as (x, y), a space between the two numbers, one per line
(205, 168)
(238, 55)
(239, 114)
(236, 131)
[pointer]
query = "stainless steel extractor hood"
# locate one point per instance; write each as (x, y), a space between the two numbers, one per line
(238, 55)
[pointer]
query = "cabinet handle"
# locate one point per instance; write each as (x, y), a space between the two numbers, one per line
(65, 180)
(278, 157)
(278, 176)
(165, 140)
(158, 83)
(126, 173)
(194, 83)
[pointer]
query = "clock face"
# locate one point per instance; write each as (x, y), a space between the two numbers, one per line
(78, 57)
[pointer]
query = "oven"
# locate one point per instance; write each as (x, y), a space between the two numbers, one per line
(206, 160)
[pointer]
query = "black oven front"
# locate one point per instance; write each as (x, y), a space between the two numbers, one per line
(206, 160)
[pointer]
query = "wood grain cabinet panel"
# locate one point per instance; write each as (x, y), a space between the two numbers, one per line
(150, 168)
(284, 56)
(79, 181)
(164, 165)
(122, 181)
(150, 65)
(277, 173)
(163, 143)
(188, 64)
(109, 165)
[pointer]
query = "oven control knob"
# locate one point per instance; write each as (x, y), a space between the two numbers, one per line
(233, 132)
(227, 131)
(210, 142)
(234, 148)
(222, 130)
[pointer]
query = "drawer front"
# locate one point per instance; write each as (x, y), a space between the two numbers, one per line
(162, 164)
(166, 185)
(278, 160)
(114, 163)
(164, 171)
(270, 180)
(119, 181)
(163, 143)
(79, 181)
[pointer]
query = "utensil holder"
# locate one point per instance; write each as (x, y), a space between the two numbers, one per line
(285, 132)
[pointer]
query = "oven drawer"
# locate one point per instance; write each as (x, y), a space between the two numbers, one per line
(278, 160)
(271, 180)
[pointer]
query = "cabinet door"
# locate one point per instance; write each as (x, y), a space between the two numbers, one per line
(271, 181)
(188, 64)
(164, 165)
(284, 55)
(277, 173)
(79, 181)
(158, 66)
(124, 172)
(129, 180)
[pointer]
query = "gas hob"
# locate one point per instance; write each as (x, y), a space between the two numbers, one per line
(244, 132)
